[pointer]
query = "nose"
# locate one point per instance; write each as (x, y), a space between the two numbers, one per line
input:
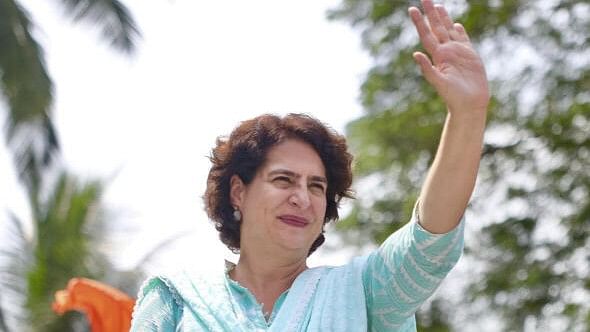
(300, 197)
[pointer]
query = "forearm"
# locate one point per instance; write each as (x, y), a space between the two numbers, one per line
(405, 270)
(451, 178)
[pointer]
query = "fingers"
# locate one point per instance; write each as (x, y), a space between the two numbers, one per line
(429, 41)
(431, 74)
(444, 18)
(462, 35)
(436, 24)
(454, 33)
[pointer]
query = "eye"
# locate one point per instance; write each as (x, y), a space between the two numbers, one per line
(317, 187)
(282, 180)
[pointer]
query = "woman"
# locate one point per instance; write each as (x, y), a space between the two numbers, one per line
(275, 183)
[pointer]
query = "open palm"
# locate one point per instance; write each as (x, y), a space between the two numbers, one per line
(456, 71)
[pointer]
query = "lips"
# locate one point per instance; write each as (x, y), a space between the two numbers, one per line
(295, 221)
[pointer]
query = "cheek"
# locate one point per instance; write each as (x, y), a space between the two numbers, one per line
(320, 206)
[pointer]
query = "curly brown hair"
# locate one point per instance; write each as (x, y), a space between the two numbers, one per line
(245, 151)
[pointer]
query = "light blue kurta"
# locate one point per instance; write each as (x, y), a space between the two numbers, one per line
(377, 292)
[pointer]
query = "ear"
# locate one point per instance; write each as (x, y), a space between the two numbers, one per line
(236, 190)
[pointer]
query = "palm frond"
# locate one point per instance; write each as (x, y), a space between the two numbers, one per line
(60, 248)
(112, 17)
(63, 245)
(16, 257)
(27, 91)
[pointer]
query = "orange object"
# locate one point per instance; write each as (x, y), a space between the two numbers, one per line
(107, 309)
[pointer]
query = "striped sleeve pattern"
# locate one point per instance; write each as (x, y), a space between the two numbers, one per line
(406, 270)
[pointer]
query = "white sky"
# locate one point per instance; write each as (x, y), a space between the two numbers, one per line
(146, 124)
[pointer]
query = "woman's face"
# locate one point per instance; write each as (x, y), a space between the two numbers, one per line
(285, 203)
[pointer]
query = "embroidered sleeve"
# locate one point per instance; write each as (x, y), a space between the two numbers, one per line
(156, 309)
(408, 267)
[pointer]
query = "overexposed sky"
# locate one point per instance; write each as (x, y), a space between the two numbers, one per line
(146, 124)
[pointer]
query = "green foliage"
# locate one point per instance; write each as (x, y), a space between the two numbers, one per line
(26, 89)
(68, 228)
(65, 225)
(533, 195)
(28, 92)
(114, 20)
(434, 320)
(67, 221)
(62, 244)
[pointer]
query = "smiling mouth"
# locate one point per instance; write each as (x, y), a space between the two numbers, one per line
(294, 221)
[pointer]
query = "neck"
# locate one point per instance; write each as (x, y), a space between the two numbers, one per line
(267, 277)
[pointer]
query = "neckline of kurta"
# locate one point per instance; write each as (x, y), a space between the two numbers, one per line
(246, 305)
(248, 302)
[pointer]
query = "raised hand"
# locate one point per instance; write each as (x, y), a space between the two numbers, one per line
(456, 71)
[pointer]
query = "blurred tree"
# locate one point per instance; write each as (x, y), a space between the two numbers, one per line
(62, 246)
(68, 241)
(26, 88)
(532, 201)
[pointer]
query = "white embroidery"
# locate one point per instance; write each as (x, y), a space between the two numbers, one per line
(308, 291)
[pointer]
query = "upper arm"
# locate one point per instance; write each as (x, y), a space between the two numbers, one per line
(405, 270)
(156, 308)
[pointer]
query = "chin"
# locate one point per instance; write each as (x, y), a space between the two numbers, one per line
(295, 245)
(295, 239)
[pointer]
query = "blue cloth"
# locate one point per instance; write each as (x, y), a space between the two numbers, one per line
(377, 292)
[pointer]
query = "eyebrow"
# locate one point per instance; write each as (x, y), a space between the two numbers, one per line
(314, 178)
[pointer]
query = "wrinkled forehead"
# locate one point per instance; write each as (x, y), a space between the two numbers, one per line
(296, 156)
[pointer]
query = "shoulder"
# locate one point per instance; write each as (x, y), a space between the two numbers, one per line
(349, 273)
(174, 284)
(157, 307)
(160, 287)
